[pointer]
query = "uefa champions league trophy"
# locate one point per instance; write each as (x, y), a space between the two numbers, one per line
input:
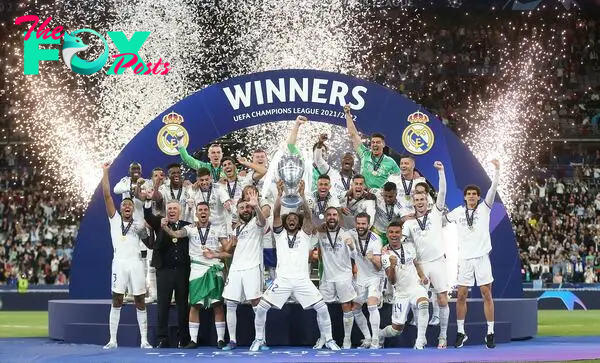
(291, 169)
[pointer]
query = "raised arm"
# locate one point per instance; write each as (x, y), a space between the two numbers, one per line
(259, 170)
(277, 207)
(188, 159)
(261, 221)
(352, 131)
(307, 224)
(108, 200)
(122, 186)
(152, 220)
(320, 161)
(441, 197)
(491, 194)
(300, 120)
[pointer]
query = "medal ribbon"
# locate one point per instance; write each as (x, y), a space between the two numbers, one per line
(178, 193)
(230, 190)
(332, 243)
(406, 189)
(401, 255)
(207, 199)
(124, 229)
(322, 205)
(291, 242)
(346, 182)
(363, 250)
(204, 237)
(239, 230)
(376, 164)
(423, 224)
(389, 212)
(353, 204)
(470, 219)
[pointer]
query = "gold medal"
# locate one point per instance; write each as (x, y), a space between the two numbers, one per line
(471, 228)
(174, 240)
(321, 216)
(407, 197)
(122, 238)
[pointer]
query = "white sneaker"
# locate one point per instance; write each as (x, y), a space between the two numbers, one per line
(331, 344)
(420, 345)
(434, 320)
(145, 345)
(111, 345)
(365, 343)
(442, 343)
(320, 343)
(347, 344)
(374, 344)
(257, 344)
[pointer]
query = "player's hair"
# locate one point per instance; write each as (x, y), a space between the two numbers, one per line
(173, 166)
(202, 203)
(127, 200)
(259, 150)
(348, 154)
(228, 158)
(390, 187)
(215, 145)
(424, 185)
(471, 187)
(202, 172)
(396, 223)
(331, 207)
(363, 215)
(176, 203)
(324, 176)
(358, 176)
(407, 156)
(135, 164)
(379, 135)
(285, 217)
(158, 168)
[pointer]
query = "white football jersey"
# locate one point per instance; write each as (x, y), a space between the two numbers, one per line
(249, 247)
(366, 271)
(473, 238)
(407, 277)
(205, 238)
(126, 247)
(292, 253)
(426, 233)
(337, 265)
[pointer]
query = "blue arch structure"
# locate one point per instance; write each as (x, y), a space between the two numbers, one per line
(281, 95)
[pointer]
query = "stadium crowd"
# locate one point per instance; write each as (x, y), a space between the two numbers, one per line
(557, 224)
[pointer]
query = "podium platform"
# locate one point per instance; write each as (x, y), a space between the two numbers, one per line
(86, 322)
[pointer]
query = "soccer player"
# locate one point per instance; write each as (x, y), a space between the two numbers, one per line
(406, 181)
(126, 235)
(293, 244)
(387, 209)
(366, 251)
(474, 246)
(174, 192)
(374, 164)
(322, 199)
(206, 275)
(341, 180)
(336, 281)
(425, 231)
(215, 195)
(400, 266)
(358, 200)
(244, 281)
(215, 154)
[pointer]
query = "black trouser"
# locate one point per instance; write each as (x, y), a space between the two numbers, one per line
(167, 280)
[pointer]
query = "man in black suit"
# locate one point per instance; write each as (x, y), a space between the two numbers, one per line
(171, 260)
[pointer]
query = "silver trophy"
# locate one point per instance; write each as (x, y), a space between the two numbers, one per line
(291, 169)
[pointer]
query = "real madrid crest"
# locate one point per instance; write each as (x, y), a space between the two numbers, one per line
(168, 134)
(417, 137)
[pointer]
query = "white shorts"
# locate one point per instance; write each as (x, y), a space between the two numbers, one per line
(475, 269)
(303, 290)
(437, 274)
(128, 272)
(342, 291)
(403, 303)
(243, 285)
(365, 290)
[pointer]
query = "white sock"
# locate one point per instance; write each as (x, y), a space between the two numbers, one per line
(460, 326)
(142, 318)
(389, 332)
(260, 319)
(220, 326)
(324, 320)
(435, 306)
(374, 320)
(194, 327)
(444, 314)
(152, 282)
(231, 319)
(423, 320)
(115, 316)
(490, 327)
(348, 322)
(361, 321)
